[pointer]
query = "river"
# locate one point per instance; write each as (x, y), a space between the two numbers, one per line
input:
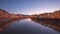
(27, 26)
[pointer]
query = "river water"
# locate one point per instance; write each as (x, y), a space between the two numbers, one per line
(27, 26)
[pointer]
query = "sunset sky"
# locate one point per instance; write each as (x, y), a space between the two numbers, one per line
(30, 6)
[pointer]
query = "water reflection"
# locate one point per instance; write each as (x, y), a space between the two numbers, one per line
(54, 24)
(27, 26)
(5, 23)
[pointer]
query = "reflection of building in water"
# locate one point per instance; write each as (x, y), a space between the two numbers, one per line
(5, 24)
(49, 23)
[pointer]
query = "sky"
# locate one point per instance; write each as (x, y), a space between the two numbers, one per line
(30, 6)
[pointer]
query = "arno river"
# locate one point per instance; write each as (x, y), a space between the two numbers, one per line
(28, 26)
